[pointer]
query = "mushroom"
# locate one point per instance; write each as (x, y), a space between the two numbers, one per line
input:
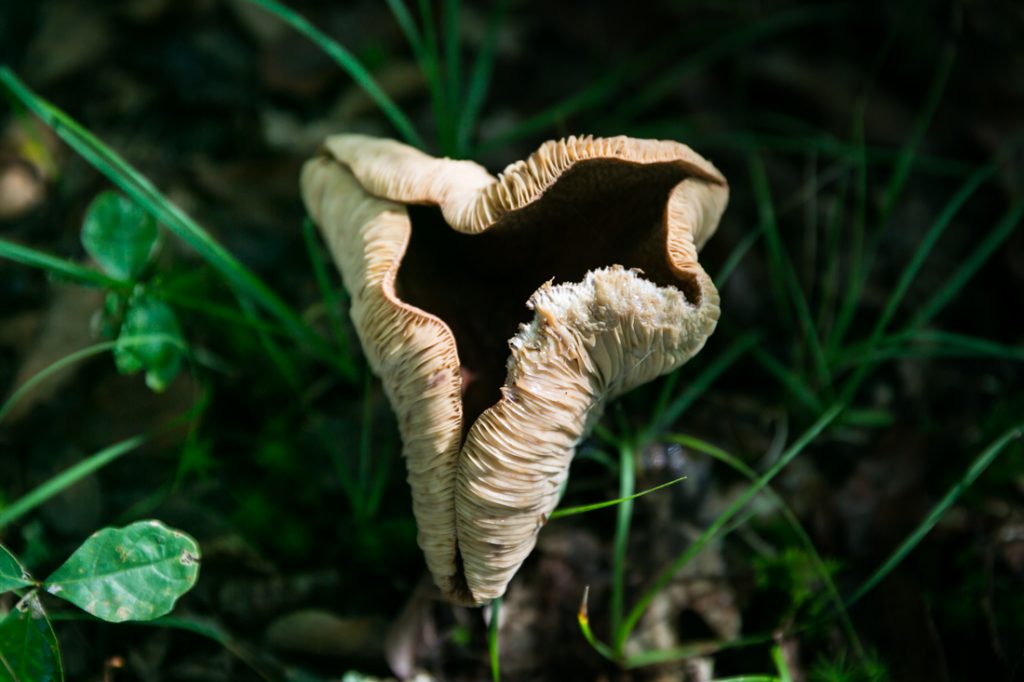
(597, 236)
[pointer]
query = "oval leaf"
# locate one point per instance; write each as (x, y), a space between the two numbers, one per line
(161, 355)
(119, 235)
(28, 646)
(12, 574)
(131, 573)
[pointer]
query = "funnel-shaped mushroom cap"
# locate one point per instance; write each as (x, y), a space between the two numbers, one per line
(444, 264)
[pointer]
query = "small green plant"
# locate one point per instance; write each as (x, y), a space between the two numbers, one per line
(123, 238)
(793, 571)
(135, 573)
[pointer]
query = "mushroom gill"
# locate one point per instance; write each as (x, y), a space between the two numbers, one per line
(597, 236)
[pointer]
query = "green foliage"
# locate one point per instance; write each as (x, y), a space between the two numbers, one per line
(493, 643)
(794, 572)
(974, 471)
(59, 268)
(737, 505)
(133, 573)
(12, 574)
(119, 235)
(243, 282)
(820, 369)
(160, 357)
(122, 237)
(350, 64)
(781, 664)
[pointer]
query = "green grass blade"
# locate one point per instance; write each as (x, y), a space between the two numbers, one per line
(452, 54)
(789, 379)
(197, 626)
(349, 64)
(849, 303)
(493, 643)
(799, 143)
(696, 388)
(84, 354)
(59, 267)
(908, 152)
(970, 346)
(912, 269)
(603, 89)
(216, 633)
(731, 42)
(281, 360)
(609, 86)
(785, 282)
(479, 81)
(668, 389)
(432, 68)
(218, 312)
(378, 483)
(571, 511)
(425, 50)
(861, 265)
(976, 469)
(779, 659)
(583, 618)
(408, 25)
(736, 464)
(737, 255)
(330, 295)
(970, 265)
(627, 486)
(588, 98)
(68, 478)
(666, 576)
(929, 343)
(829, 282)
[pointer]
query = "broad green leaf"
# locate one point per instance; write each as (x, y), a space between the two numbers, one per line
(12, 574)
(119, 234)
(161, 359)
(131, 573)
(28, 646)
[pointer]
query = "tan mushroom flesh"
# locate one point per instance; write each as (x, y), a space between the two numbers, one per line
(444, 264)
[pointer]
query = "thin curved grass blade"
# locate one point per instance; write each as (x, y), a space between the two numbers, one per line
(352, 66)
(582, 509)
(976, 469)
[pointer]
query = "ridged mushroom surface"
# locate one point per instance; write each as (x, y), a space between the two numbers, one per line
(502, 313)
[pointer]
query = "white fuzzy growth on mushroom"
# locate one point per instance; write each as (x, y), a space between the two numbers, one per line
(588, 342)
